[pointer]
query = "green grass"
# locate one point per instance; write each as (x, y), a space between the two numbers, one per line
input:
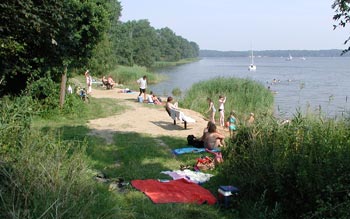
(243, 96)
(57, 171)
(162, 64)
(123, 75)
(297, 170)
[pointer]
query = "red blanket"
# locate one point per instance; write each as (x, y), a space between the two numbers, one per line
(174, 191)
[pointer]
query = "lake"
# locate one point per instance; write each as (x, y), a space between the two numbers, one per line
(313, 84)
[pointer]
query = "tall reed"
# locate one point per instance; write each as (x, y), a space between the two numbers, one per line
(243, 96)
(42, 176)
(128, 75)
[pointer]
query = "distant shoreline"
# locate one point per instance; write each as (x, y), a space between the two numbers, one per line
(275, 53)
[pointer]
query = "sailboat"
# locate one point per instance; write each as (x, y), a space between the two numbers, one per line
(290, 58)
(252, 67)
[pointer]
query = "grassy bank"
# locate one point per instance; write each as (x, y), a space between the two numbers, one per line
(299, 169)
(123, 75)
(162, 64)
(49, 169)
(294, 170)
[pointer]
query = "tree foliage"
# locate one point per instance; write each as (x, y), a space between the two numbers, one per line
(38, 38)
(342, 16)
(137, 42)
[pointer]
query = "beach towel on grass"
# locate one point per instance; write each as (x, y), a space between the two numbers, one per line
(185, 150)
(174, 191)
(189, 175)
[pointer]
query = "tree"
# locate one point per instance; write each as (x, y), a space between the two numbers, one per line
(39, 38)
(342, 16)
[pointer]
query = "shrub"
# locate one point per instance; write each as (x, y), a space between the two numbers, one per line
(304, 166)
(15, 119)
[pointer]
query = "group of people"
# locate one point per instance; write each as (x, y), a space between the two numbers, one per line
(231, 121)
(108, 82)
(212, 138)
(143, 97)
(212, 110)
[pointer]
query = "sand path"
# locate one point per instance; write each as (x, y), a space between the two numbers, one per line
(141, 118)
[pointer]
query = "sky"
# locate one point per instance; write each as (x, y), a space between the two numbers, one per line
(241, 25)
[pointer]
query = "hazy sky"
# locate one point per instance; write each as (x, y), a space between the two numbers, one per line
(233, 25)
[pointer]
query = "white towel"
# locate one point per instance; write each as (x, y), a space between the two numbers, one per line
(189, 175)
(176, 114)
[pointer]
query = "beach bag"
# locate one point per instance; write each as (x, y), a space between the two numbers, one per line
(205, 163)
(218, 156)
(190, 139)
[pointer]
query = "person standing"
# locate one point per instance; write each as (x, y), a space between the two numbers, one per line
(212, 110)
(143, 85)
(232, 124)
(222, 100)
(88, 81)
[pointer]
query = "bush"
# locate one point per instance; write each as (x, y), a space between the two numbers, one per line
(15, 119)
(304, 166)
(45, 93)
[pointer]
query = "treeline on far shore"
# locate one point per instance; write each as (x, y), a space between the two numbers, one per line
(275, 53)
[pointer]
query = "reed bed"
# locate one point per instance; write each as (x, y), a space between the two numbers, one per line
(243, 96)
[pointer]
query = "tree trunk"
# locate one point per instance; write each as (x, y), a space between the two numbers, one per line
(63, 87)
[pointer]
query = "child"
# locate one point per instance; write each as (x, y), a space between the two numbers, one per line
(232, 124)
(212, 110)
(150, 98)
(222, 101)
(251, 119)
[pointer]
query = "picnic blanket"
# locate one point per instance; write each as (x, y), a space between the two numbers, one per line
(185, 150)
(189, 175)
(174, 191)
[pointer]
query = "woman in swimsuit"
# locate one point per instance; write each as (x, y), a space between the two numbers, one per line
(212, 110)
(222, 101)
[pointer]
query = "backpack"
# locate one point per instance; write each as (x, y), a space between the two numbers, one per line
(190, 140)
(193, 141)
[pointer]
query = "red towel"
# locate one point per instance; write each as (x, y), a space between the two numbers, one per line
(174, 191)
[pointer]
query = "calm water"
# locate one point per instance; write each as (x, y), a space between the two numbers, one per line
(311, 84)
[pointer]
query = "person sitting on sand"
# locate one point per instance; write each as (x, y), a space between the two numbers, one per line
(155, 99)
(213, 139)
(104, 80)
(111, 82)
(150, 98)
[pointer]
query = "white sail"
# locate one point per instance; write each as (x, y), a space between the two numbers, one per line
(252, 67)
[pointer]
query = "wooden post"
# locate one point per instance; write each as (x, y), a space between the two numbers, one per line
(63, 87)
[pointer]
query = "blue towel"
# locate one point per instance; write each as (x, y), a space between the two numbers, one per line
(185, 150)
